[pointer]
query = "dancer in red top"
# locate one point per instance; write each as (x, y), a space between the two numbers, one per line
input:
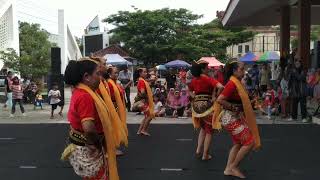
(86, 150)
(237, 118)
(144, 102)
(203, 90)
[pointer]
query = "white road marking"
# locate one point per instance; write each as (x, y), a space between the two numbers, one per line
(28, 167)
(171, 169)
(7, 138)
(183, 139)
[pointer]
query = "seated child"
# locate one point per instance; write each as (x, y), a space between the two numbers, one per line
(38, 100)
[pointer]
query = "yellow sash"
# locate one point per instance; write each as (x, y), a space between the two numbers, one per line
(250, 116)
(121, 105)
(119, 131)
(105, 116)
(215, 122)
(150, 98)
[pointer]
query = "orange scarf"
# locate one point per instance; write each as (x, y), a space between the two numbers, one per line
(150, 98)
(249, 114)
(119, 132)
(121, 105)
(105, 116)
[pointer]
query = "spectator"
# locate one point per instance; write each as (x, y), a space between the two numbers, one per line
(38, 100)
(55, 100)
(284, 96)
(185, 102)
(126, 82)
(264, 78)
(275, 72)
(254, 73)
(171, 79)
(159, 110)
(298, 91)
(219, 75)
(177, 105)
(188, 77)
(7, 90)
(269, 100)
(17, 96)
(160, 95)
(311, 82)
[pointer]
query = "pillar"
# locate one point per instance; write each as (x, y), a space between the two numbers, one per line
(284, 35)
(304, 30)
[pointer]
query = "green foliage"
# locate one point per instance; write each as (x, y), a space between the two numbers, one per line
(10, 59)
(34, 60)
(166, 34)
(34, 50)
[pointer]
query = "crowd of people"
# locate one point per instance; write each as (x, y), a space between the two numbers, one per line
(24, 91)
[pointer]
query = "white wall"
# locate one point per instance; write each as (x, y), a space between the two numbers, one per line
(257, 46)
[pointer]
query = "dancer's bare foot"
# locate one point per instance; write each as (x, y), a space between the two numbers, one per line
(227, 171)
(198, 154)
(60, 113)
(139, 133)
(206, 157)
(237, 173)
(145, 133)
(119, 153)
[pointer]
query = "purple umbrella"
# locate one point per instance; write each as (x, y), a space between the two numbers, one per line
(177, 64)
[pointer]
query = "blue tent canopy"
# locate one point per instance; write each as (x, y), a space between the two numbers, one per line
(248, 58)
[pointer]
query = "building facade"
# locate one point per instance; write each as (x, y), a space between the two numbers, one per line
(266, 39)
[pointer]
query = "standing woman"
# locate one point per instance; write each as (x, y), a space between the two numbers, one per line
(117, 96)
(91, 133)
(237, 118)
(144, 101)
(203, 90)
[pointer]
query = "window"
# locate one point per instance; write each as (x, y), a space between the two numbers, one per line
(247, 48)
(240, 49)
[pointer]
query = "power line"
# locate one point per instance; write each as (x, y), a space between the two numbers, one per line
(38, 11)
(38, 17)
(33, 4)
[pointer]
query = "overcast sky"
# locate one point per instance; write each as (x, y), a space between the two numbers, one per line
(79, 13)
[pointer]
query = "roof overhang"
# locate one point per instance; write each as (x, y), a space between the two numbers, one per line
(264, 12)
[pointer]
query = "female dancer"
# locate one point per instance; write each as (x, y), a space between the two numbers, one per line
(237, 118)
(203, 90)
(119, 130)
(91, 132)
(146, 105)
(117, 97)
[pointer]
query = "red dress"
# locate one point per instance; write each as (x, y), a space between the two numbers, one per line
(204, 85)
(142, 86)
(233, 122)
(82, 108)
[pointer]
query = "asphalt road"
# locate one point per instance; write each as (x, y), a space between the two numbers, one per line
(289, 152)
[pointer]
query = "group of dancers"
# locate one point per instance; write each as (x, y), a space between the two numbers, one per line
(215, 106)
(97, 115)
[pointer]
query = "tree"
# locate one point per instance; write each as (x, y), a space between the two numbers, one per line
(10, 59)
(167, 34)
(34, 50)
(34, 57)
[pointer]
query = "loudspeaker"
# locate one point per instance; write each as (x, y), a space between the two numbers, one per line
(55, 75)
(55, 60)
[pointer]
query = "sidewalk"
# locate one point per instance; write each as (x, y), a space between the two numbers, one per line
(43, 116)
